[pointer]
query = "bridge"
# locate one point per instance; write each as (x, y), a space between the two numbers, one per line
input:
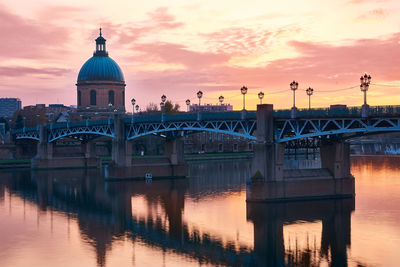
(269, 129)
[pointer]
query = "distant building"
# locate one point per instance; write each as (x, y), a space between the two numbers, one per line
(8, 106)
(212, 108)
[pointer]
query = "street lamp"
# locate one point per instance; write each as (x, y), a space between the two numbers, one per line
(133, 101)
(261, 96)
(364, 85)
(221, 99)
(293, 86)
(188, 104)
(199, 95)
(137, 108)
(309, 92)
(163, 99)
(162, 104)
(243, 90)
(109, 115)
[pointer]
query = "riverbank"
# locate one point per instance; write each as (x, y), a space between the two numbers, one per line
(17, 164)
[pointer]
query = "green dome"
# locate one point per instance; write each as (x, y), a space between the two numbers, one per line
(100, 68)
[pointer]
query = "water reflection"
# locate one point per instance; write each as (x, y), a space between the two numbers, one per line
(203, 219)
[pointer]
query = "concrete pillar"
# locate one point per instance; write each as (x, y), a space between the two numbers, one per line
(336, 158)
(44, 148)
(89, 149)
(268, 160)
(121, 148)
(174, 149)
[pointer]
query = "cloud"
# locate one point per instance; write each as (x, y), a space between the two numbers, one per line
(24, 71)
(373, 15)
(29, 38)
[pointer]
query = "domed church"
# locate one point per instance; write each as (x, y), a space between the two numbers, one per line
(101, 81)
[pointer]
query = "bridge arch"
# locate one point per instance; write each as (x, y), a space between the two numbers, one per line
(238, 128)
(287, 130)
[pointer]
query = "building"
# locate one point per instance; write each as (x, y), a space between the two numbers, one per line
(100, 82)
(212, 108)
(8, 106)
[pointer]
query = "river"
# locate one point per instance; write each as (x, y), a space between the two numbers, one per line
(75, 218)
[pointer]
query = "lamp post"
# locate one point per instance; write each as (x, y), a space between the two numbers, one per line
(309, 92)
(261, 96)
(109, 113)
(188, 104)
(243, 90)
(199, 95)
(137, 108)
(24, 122)
(364, 85)
(293, 86)
(162, 104)
(221, 99)
(133, 101)
(163, 99)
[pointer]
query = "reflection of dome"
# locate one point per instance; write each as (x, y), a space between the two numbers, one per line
(100, 68)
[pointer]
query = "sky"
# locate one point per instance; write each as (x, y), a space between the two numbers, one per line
(178, 47)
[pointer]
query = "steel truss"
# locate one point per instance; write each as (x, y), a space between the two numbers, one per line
(293, 129)
(241, 128)
(30, 134)
(104, 130)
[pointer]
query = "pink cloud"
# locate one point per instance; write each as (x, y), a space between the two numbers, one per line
(27, 38)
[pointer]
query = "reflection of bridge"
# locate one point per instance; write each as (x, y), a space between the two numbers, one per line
(268, 128)
(104, 212)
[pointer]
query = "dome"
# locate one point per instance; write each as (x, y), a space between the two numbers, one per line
(100, 68)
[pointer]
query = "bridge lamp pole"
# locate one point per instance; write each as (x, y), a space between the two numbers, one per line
(261, 96)
(364, 85)
(24, 122)
(109, 113)
(162, 104)
(133, 102)
(187, 104)
(309, 92)
(294, 86)
(243, 90)
(137, 108)
(221, 99)
(199, 96)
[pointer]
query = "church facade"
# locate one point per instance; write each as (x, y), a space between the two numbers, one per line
(101, 83)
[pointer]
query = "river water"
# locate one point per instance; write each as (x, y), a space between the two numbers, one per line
(74, 218)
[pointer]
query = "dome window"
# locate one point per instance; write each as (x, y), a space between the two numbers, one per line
(93, 98)
(111, 97)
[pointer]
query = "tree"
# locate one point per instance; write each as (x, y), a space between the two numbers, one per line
(152, 107)
(170, 108)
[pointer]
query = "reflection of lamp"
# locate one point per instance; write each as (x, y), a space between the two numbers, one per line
(261, 96)
(188, 104)
(199, 95)
(243, 90)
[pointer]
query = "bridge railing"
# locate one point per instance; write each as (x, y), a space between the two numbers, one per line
(192, 116)
(345, 111)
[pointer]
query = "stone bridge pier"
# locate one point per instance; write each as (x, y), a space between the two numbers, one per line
(126, 166)
(45, 158)
(271, 181)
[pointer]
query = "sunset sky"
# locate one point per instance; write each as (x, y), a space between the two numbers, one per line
(177, 47)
